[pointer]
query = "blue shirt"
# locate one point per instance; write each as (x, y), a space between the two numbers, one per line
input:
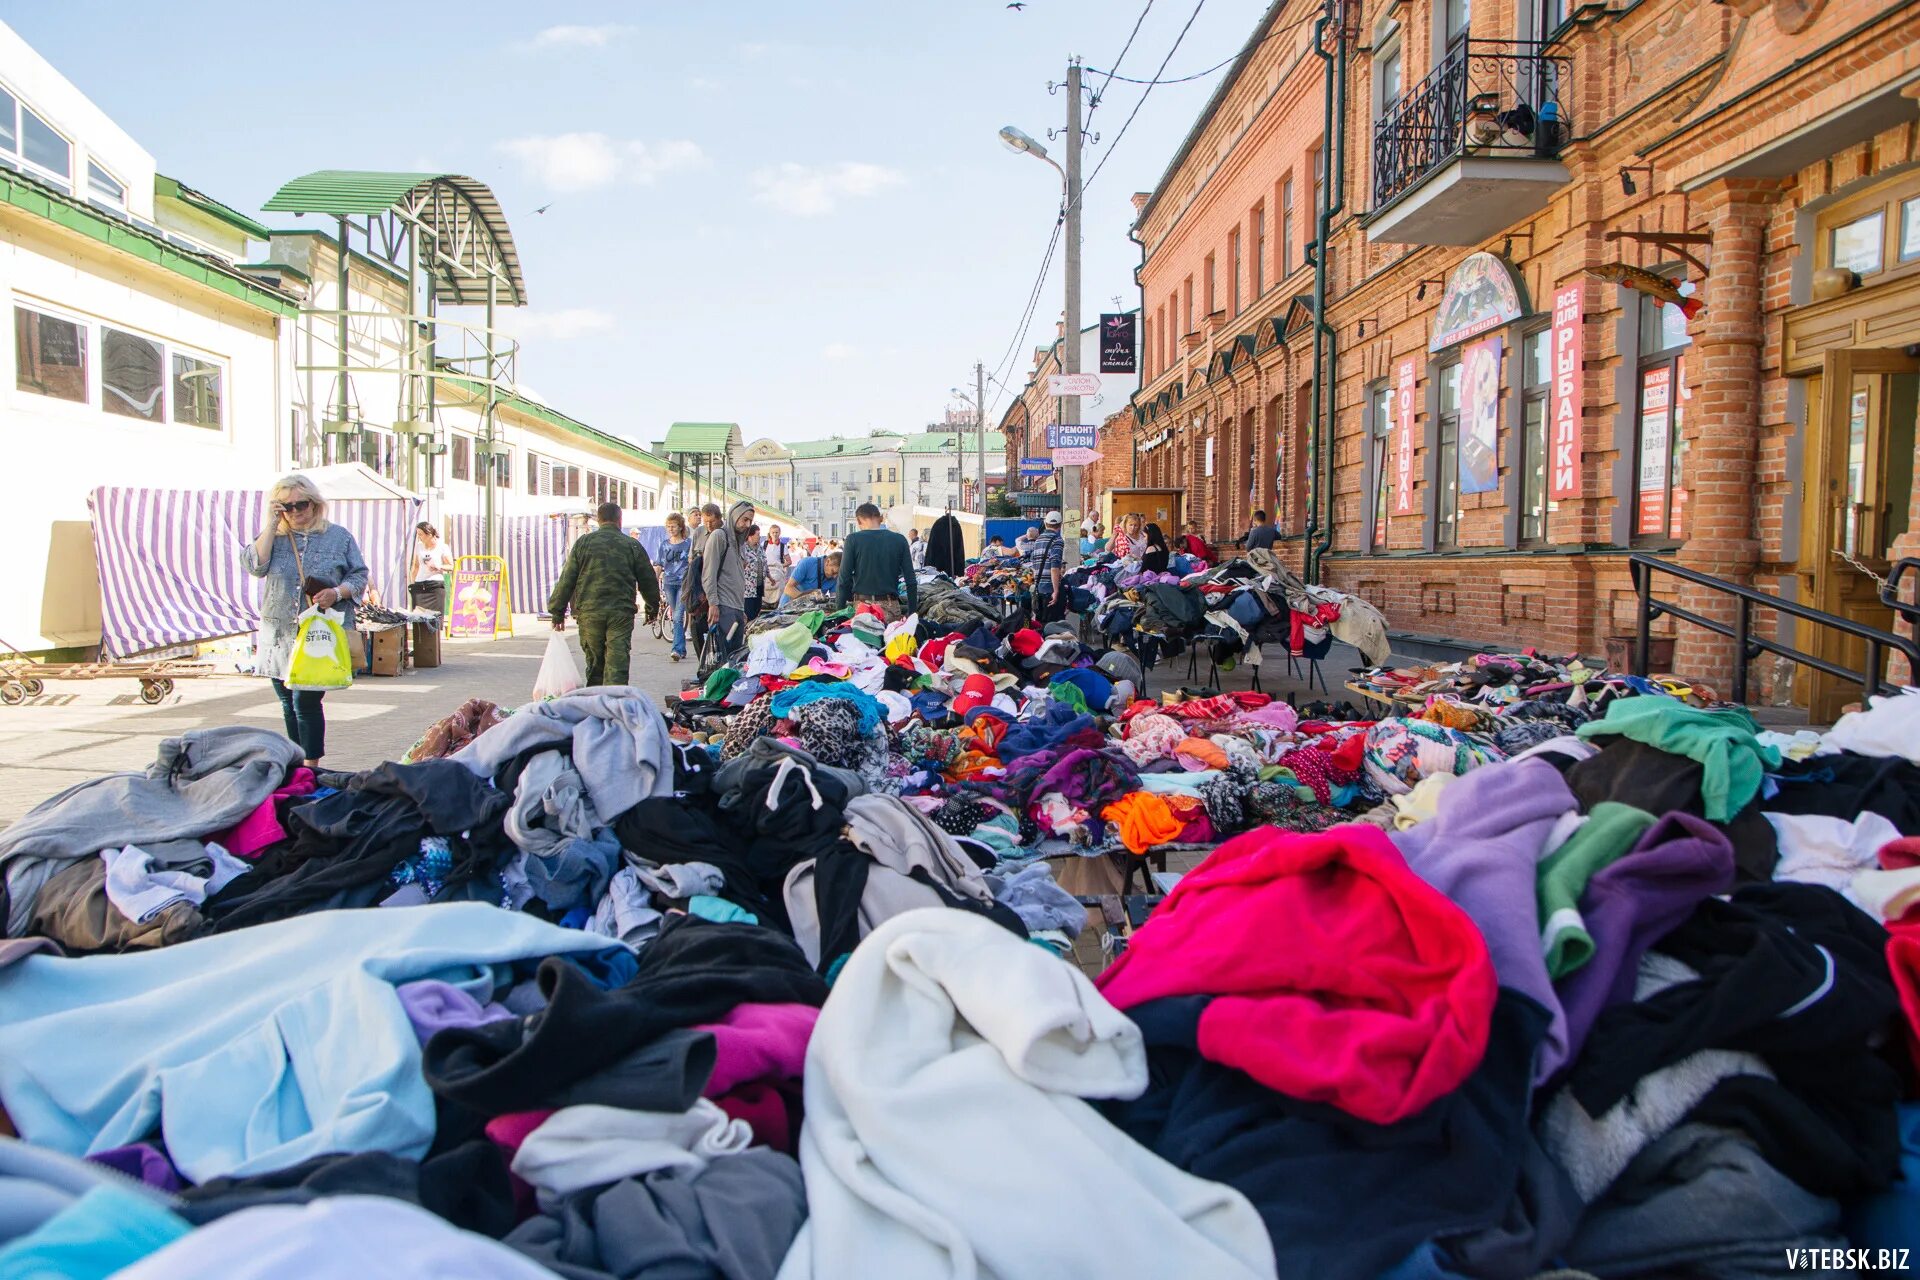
(811, 575)
(1046, 553)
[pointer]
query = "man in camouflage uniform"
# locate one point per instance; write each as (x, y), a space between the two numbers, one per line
(603, 572)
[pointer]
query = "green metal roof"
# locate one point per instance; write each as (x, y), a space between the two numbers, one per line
(836, 447)
(703, 437)
(174, 189)
(449, 203)
(943, 442)
(22, 192)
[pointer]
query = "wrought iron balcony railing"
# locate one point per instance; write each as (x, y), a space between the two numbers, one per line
(1488, 97)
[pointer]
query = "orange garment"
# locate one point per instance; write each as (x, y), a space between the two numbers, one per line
(1205, 753)
(1455, 715)
(1143, 819)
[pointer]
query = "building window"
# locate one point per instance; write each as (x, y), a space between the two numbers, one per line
(104, 188)
(50, 355)
(1233, 270)
(1387, 66)
(926, 475)
(1286, 226)
(503, 467)
(1550, 17)
(27, 137)
(534, 470)
(953, 475)
(462, 449)
(1380, 428)
(1660, 503)
(1207, 294)
(1446, 530)
(1536, 384)
(1858, 245)
(1459, 21)
(130, 377)
(1259, 250)
(196, 391)
(1187, 315)
(1317, 159)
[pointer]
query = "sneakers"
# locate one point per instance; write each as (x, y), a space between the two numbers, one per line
(677, 657)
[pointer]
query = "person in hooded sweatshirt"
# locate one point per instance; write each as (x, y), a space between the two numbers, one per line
(723, 571)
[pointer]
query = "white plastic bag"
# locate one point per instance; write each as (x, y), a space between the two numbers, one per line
(559, 673)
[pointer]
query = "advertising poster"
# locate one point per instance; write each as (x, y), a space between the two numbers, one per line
(1117, 345)
(1403, 387)
(476, 600)
(1563, 435)
(1656, 403)
(1480, 416)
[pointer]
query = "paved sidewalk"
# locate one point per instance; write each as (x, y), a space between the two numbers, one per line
(80, 730)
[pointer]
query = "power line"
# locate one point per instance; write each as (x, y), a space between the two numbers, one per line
(1094, 104)
(1114, 145)
(1033, 300)
(1311, 16)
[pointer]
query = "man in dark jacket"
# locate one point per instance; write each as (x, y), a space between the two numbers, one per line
(603, 573)
(875, 563)
(1261, 535)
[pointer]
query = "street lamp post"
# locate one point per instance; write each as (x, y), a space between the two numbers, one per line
(1070, 341)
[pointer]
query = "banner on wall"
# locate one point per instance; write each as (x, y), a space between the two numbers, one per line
(1117, 345)
(1563, 451)
(1656, 405)
(1403, 385)
(1482, 293)
(1480, 416)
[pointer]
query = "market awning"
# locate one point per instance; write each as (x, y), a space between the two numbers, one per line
(703, 437)
(462, 214)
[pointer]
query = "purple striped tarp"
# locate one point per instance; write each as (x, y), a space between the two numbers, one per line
(534, 547)
(169, 561)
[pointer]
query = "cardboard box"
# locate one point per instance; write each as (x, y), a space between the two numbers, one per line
(386, 651)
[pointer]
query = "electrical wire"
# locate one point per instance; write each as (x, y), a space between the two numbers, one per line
(1033, 301)
(1114, 145)
(1312, 15)
(1093, 105)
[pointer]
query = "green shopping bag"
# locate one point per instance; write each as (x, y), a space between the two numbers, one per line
(321, 659)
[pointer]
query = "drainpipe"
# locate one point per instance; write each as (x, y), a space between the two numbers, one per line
(1325, 357)
(1140, 354)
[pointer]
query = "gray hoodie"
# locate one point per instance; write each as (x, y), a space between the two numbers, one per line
(723, 569)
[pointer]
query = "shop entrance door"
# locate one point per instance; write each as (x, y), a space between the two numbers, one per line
(1861, 410)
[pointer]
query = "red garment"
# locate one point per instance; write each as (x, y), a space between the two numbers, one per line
(1195, 548)
(1898, 855)
(1025, 642)
(1350, 755)
(1378, 1001)
(759, 1053)
(1903, 959)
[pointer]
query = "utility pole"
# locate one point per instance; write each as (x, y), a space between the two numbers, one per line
(980, 442)
(1070, 350)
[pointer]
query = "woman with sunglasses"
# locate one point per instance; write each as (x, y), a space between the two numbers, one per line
(301, 558)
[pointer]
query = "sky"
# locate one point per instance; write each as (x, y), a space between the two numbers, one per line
(790, 214)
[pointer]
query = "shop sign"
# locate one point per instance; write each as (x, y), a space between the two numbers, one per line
(1563, 450)
(1073, 384)
(1117, 345)
(1480, 417)
(1036, 466)
(1482, 294)
(1656, 403)
(1155, 441)
(1403, 384)
(1070, 435)
(476, 598)
(1073, 457)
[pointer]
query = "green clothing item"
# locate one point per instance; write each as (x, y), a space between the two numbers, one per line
(874, 563)
(1071, 695)
(1723, 740)
(603, 573)
(606, 640)
(798, 636)
(1602, 840)
(719, 683)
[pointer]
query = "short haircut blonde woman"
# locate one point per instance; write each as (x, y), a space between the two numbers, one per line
(292, 488)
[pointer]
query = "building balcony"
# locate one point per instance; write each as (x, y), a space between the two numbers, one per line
(1473, 148)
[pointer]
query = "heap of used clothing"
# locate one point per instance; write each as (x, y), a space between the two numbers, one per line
(1232, 609)
(775, 987)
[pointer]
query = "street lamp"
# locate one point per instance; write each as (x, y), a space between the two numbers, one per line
(1018, 141)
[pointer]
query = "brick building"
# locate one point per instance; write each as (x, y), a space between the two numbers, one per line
(1510, 420)
(1024, 423)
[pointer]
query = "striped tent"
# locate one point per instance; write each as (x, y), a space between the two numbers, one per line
(534, 547)
(169, 560)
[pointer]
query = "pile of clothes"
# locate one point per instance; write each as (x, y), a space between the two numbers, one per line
(1587, 979)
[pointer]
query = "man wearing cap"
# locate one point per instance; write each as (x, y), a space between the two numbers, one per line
(1046, 560)
(874, 564)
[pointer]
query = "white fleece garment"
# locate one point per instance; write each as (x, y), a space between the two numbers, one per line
(1817, 849)
(589, 1146)
(1887, 727)
(948, 1047)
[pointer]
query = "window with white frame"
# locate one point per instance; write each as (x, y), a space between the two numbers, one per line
(462, 449)
(104, 188)
(137, 376)
(28, 141)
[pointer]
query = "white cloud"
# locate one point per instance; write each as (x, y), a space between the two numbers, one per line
(808, 191)
(575, 37)
(562, 326)
(584, 161)
(839, 351)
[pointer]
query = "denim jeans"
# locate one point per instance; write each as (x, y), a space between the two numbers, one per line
(306, 722)
(677, 602)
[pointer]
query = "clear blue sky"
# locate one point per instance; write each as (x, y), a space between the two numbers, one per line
(793, 214)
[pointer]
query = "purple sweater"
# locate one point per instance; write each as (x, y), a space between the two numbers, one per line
(1634, 902)
(1482, 848)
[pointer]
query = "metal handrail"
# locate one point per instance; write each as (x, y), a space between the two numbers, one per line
(1890, 590)
(1746, 645)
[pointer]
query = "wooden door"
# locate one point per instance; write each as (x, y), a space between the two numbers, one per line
(1858, 485)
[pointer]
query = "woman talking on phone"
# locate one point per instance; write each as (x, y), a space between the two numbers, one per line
(302, 558)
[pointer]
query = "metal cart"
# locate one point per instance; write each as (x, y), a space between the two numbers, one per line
(22, 678)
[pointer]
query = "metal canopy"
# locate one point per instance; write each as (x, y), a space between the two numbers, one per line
(465, 234)
(703, 437)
